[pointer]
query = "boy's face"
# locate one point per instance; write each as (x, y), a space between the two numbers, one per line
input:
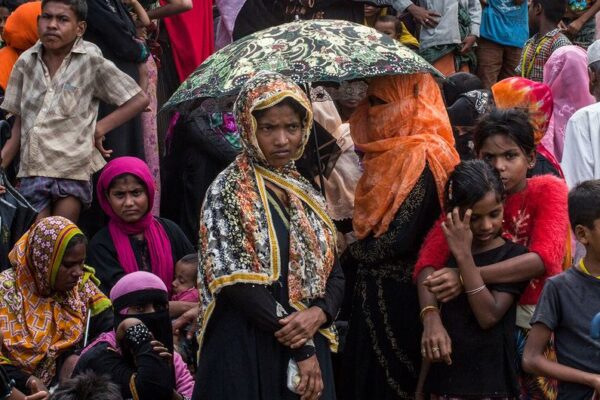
(590, 238)
(4, 13)
(58, 27)
(185, 277)
(386, 28)
(535, 10)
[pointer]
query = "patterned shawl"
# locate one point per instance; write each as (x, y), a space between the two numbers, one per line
(399, 138)
(237, 237)
(37, 323)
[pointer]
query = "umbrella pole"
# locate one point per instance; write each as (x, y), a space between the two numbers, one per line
(314, 132)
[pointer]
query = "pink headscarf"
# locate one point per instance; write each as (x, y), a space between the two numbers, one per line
(566, 74)
(159, 245)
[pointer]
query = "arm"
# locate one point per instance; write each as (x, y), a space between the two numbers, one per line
(488, 306)
(578, 161)
(122, 114)
(334, 294)
(434, 252)
(139, 10)
(469, 41)
(171, 8)
(517, 269)
(535, 362)
(176, 308)
(13, 144)
(574, 27)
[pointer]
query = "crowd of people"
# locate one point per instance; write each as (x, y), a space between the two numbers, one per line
(445, 250)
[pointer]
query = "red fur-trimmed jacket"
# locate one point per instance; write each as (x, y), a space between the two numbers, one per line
(536, 217)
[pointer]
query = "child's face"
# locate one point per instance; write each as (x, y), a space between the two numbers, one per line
(4, 13)
(386, 28)
(58, 27)
(185, 277)
(371, 11)
(509, 160)
(590, 238)
(486, 219)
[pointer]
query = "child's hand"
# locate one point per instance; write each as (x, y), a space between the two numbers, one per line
(2, 189)
(98, 142)
(458, 233)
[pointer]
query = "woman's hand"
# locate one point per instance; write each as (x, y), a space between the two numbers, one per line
(427, 18)
(300, 326)
(436, 345)
(444, 284)
(37, 388)
(311, 382)
(126, 324)
(187, 318)
(458, 233)
(468, 44)
(162, 351)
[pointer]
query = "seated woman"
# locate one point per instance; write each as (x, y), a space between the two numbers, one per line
(45, 300)
(134, 240)
(269, 282)
(137, 355)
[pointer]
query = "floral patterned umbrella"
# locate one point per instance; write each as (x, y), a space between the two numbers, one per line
(307, 51)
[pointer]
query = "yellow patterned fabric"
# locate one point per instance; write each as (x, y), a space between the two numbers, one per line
(37, 322)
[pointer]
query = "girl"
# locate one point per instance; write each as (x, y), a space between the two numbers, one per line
(480, 322)
(535, 215)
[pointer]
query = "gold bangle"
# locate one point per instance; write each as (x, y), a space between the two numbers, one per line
(427, 309)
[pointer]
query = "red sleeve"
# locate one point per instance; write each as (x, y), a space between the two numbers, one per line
(548, 236)
(434, 252)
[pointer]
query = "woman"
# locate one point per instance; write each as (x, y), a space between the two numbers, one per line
(404, 131)
(566, 73)
(45, 300)
(134, 239)
(269, 282)
(137, 354)
(536, 98)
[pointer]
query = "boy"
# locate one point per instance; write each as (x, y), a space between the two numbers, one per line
(567, 306)
(544, 16)
(394, 28)
(53, 91)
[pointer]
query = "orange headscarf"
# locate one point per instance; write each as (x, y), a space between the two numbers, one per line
(399, 139)
(20, 33)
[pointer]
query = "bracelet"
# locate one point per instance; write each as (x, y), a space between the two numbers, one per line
(427, 309)
(474, 291)
(462, 283)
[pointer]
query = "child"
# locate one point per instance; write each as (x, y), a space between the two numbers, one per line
(185, 282)
(87, 386)
(394, 28)
(535, 215)
(544, 16)
(480, 324)
(568, 304)
(54, 91)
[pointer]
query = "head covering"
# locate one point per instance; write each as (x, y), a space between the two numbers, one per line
(399, 139)
(159, 245)
(140, 288)
(458, 84)
(535, 97)
(237, 236)
(566, 74)
(469, 107)
(593, 53)
(39, 323)
(20, 33)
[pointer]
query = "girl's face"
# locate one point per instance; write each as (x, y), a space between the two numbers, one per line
(486, 219)
(509, 160)
(128, 199)
(71, 268)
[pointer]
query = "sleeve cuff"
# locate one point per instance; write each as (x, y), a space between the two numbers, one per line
(322, 304)
(304, 352)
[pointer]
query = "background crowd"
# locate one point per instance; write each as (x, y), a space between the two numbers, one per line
(448, 247)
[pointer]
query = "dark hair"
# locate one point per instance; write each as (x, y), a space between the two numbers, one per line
(512, 122)
(76, 240)
(87, 386)
(391, 18)
(191, 258)
(123, 176)
(5, 4)
(470, 182)
(595, 67)
(460, 83)
(584, 204)
(79, 7)
(288, 101)
(553, 10)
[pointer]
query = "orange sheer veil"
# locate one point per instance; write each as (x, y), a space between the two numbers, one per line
(399, 138)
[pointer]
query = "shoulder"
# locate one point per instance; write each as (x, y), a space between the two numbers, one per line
(514, 249)
(542, 186)
(561, 40)
(170, 226)
(101, 238)
(585, 113)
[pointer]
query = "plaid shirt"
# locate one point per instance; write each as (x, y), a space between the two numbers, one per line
(537, 51)
(58, 114)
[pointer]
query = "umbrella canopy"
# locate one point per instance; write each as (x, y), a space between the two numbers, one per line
(306, 51)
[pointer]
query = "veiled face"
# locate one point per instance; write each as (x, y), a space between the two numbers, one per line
(279, 134)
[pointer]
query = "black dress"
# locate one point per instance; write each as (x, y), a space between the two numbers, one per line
(102, 254)
(240, 357)
(381, 357)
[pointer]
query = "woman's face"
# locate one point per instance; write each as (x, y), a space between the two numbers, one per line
(147, 308)
(128, 198)
(279, 134)
(71, 268)
(509, 160)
